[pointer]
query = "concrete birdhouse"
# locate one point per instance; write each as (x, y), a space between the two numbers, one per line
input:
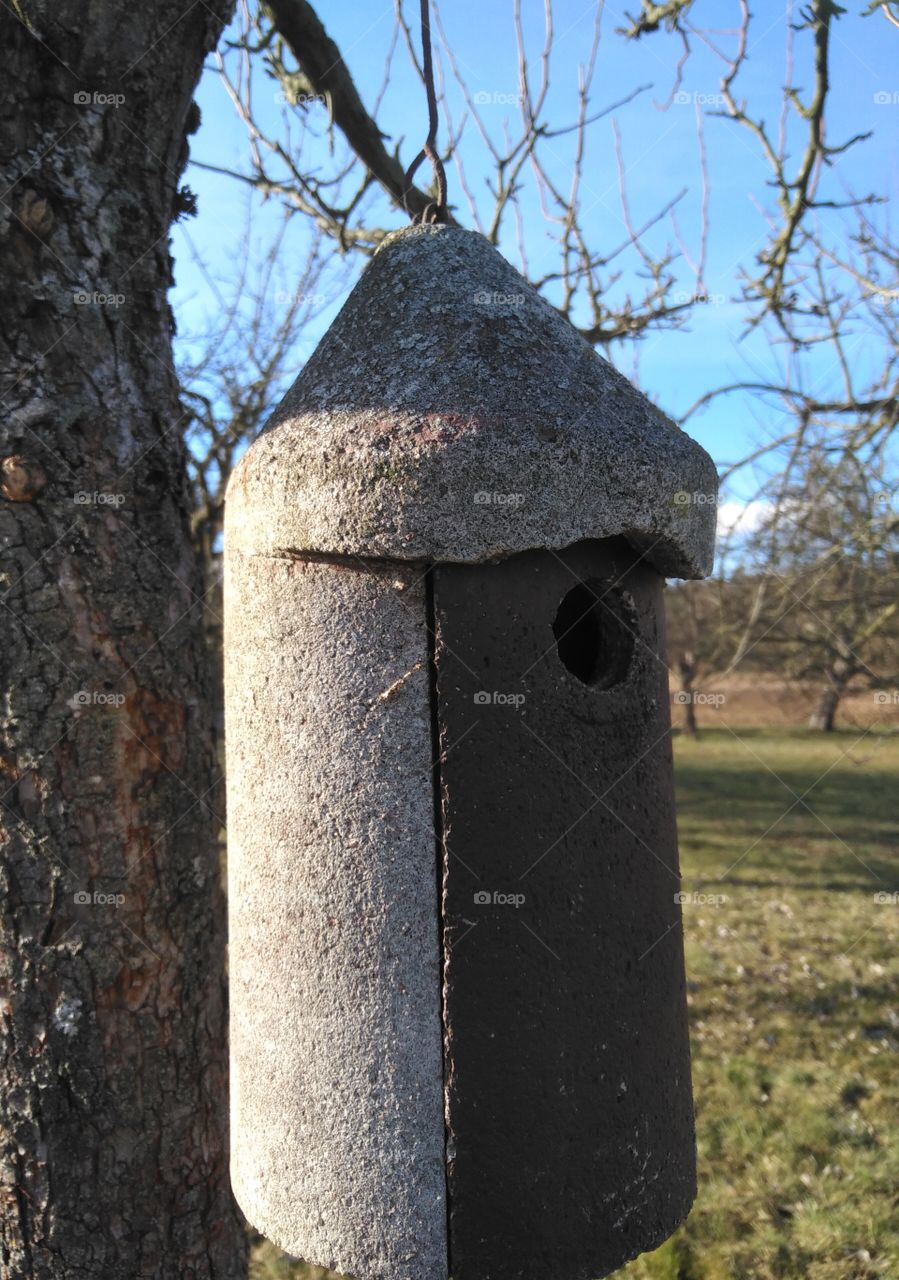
(459, 1037)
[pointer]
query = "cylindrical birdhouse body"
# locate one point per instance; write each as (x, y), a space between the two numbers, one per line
(459, 1042)
(336, 1057)
(567, 1063)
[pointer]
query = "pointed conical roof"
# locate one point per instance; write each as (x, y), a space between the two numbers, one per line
(451, 414)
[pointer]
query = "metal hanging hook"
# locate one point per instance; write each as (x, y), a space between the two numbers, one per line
(435, 210)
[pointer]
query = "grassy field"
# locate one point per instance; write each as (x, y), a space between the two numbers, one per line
(794, 1005)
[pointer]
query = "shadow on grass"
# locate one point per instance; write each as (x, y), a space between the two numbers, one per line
(762, 809)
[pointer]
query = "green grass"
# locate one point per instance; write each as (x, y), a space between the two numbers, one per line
(794, 1008)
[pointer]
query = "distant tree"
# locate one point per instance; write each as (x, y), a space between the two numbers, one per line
(830, 552)
(705, 625)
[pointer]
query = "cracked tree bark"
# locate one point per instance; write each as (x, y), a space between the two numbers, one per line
(112, 1070)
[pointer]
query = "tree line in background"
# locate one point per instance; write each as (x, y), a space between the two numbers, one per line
(815, 600)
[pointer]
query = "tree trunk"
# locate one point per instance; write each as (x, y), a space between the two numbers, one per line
(686, 667)
(825, 711)
(112, 1070)
(824, 714)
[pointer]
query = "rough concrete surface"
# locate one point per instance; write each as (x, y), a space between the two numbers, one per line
(451, 414)
(337, 1092)
(451, 418)
(569, 1104)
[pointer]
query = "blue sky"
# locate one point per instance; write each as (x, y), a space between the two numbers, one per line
(660, 153)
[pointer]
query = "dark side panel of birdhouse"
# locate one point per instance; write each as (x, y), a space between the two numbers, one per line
(569, 1112)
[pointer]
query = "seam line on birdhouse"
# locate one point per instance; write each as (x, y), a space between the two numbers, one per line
(339, 559)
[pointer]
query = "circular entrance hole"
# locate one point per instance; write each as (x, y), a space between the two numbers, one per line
(594, 629)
